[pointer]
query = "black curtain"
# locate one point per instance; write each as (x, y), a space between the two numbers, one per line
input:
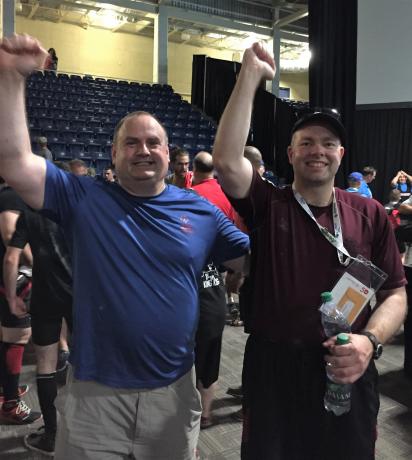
(263, 126)
(383, 140)
(198, 80)
(332, 69)
(212, 82)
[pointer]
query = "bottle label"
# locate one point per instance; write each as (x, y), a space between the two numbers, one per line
(337, 393)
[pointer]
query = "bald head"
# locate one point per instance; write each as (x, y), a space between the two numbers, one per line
(203, 163)
(202, 167)
(255, 157)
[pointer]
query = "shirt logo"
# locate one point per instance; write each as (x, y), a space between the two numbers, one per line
(185, 224)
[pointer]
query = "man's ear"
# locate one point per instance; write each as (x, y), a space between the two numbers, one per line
(114, 152)
(290, 153)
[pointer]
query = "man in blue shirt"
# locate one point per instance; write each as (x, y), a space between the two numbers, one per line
(138, 247)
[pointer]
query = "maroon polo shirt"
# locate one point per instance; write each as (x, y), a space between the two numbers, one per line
(292, 263)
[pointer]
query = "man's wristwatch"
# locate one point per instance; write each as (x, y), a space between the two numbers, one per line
(377, 346)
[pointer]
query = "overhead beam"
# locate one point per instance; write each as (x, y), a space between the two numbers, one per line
(228, 23)
(119, 26)
(294, 37)
(33, 10)
(140, 25)
(292, 18)
(134, 5)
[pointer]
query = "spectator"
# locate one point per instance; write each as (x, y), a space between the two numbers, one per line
(296, 256)
(15, 331)
(394, 200)
(179, 163)
(369, 174)
(402, 182)
(51, 301)
(51, 60)
(255, 157)
(138, 248)
(108, 174)
(43, 150)
(78, 167)
(354, 182)
(212, 297)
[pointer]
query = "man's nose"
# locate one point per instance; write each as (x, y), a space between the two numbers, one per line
(144, 150)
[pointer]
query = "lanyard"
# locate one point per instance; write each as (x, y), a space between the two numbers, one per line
(336, 239)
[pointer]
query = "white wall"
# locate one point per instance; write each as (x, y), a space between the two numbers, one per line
(384, 67)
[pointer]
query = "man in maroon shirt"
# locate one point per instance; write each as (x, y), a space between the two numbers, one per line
(292, 263)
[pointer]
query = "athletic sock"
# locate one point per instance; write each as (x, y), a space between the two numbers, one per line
(47, 392)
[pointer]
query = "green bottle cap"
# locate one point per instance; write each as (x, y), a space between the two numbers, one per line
(342, 339)
(326, 296)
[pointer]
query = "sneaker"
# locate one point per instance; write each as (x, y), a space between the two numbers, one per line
(23, 389)
(40, 441)
(236, 392)
(20, 414)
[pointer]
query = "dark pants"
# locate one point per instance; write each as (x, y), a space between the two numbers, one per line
(284, 417)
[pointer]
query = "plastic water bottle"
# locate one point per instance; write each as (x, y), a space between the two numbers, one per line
(333, 320)
(337, 395)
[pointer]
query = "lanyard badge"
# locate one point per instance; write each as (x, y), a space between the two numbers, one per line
(336, 239)
(360, 280)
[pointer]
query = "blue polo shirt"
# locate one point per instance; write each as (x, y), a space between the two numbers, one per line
(364, 190)
(136, 266)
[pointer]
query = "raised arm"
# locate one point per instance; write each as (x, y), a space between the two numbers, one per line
(235, 172)
(394, 181)
(25, 172)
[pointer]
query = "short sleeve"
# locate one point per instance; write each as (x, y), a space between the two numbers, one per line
(230, 242)
(63, 192)
(20, 236)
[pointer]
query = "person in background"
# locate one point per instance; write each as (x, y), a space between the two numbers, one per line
(42, 149)
(354, 182)
(51, 60)
(394, 202)
(108, 174)
(255, 157)
(402, 182)
(212, 298)
(179, 164)
(368, 174)
(78, 167)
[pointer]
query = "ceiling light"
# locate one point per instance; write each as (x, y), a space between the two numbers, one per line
(215, 35)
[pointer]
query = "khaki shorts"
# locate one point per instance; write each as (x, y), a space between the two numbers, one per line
(103, 423)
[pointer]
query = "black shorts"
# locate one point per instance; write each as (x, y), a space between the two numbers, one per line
(284, 416)
(209, 334)
(46, 320)
(9, 320)
(207, 360)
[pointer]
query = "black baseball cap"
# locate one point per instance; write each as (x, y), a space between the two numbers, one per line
(324, 117)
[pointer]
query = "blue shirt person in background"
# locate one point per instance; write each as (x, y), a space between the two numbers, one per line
(369, 174)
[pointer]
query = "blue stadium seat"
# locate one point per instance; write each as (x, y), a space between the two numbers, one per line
(60, 151)
(76, 149)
